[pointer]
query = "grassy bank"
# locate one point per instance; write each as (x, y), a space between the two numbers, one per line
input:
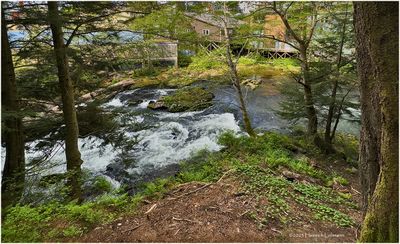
(210, 66)
(273, 168)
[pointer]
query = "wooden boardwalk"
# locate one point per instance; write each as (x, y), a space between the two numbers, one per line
(271, 53)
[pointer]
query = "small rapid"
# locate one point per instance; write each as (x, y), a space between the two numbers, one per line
(162, 141)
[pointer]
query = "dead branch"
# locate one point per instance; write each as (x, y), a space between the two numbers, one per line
(187, 220)
(132, 229)
(227, 172)
(198, 189)
(151, 208)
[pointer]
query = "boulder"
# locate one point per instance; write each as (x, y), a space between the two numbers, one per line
(134, 102)
(158, 105)
(185, 99)
(252, 83)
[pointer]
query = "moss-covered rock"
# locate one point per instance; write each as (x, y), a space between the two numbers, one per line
(186, 99)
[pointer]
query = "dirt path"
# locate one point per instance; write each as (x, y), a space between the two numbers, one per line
(198, 212)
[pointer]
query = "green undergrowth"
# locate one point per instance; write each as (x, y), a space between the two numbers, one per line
(258, 163)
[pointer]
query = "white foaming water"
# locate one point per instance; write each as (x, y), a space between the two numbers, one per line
(177, 115)
(95, 157)
(139, 119)
(166, 142)
(3, 158)
(172, 142)
(144, 104)
(115, 102)
(163, 92)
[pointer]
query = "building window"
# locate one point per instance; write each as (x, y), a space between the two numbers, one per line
(206, 32)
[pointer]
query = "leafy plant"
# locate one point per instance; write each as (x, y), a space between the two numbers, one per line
(102, 184)
(72, 231)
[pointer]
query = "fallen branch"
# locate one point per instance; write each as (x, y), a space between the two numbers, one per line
(131, 229)
(224, 175)
(187, 183)
(191, 182)
(355, 190)
(277, 231)
(187, 220)
(151, 208)
(245, 212)
(198, 189)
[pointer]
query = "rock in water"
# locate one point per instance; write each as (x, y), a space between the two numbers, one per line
(159, 105)
(134, 102)
(186, 99)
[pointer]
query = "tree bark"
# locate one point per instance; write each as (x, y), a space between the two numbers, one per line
(369, 95)
(377, 55)
(312, 124)
(236, 84)
(72, 153)
(14, 168)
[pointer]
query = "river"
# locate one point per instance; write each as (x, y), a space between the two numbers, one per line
(163, 139)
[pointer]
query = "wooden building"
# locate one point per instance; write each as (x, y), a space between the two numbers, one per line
(211, 27)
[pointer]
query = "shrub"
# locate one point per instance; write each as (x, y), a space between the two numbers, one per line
(184, 60)
(72, 231)
(204, 60)
(101, 184)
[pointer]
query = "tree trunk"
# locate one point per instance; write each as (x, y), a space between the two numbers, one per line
(14, 167)
(236, 84)
(369, 95)
(312, 125)
(72, 153)
(329, 134)
(377, 53)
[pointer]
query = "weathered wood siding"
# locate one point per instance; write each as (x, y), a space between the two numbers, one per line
(214, 31)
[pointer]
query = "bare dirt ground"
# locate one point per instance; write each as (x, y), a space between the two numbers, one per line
(199, 212)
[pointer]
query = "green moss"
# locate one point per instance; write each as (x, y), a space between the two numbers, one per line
(188, 99)
(341, 180)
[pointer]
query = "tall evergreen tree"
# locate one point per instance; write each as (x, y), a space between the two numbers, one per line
(376, 25)
(13, 179)
(300, 28)
(72, 153)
